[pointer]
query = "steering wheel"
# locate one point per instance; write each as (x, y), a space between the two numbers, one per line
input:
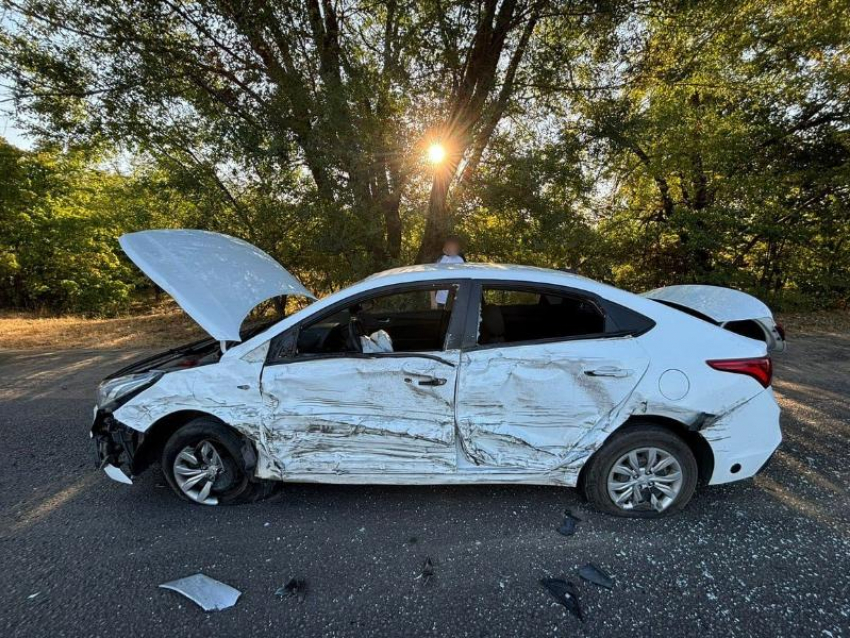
(355, 331)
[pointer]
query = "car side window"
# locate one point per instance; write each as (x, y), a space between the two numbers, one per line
(401, 321)
(521, 314)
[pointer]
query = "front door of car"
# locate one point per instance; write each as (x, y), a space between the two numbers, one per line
(330, 408)
(535, 404)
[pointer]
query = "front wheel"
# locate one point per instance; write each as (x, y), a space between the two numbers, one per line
(203, 462)
(644, 471)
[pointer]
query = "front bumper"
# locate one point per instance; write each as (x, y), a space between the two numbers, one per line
(115, 447)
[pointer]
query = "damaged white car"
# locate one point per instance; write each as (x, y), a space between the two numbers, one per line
(440, 374)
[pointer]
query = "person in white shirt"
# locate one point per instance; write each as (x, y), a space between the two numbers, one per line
(451, 255)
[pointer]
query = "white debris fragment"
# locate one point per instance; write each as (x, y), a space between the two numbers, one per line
(208, 593)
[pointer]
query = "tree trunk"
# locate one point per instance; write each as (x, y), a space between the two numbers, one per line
(463, 125)
(393, 223)
(437, 224)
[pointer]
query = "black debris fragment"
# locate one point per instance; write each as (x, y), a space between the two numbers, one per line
(568, 527)
(412, 540)
(566, 593)
(596, 575)
(295, 587)
(427, 570)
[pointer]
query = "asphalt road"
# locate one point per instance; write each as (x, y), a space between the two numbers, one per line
(81, 555)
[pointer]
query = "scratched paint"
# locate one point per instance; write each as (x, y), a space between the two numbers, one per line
(528, 407)
(228, 391)
(745, 435)
(343, 415)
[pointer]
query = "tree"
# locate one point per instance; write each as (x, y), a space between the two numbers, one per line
(346, 92)
(60, 213)
(472, 114)
(643, 142)
(721, 132)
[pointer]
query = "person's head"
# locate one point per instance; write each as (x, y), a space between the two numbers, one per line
(451, 246)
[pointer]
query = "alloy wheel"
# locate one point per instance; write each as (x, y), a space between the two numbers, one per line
(645, 478)
(196, 470)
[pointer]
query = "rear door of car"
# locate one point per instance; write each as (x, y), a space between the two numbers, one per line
(535, 404)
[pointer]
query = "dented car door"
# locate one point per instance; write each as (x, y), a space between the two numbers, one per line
(362, 414)
(379, 413)
(536, 405)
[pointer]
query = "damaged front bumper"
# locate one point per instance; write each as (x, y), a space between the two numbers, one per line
(115, 446)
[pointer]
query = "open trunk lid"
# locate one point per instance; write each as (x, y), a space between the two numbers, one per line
(215, 278)
(731, 309)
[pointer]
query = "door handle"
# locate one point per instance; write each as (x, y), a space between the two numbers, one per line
(608, 371)
(433, 381)
(385, 320)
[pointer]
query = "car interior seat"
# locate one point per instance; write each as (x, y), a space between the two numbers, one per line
(492, 325)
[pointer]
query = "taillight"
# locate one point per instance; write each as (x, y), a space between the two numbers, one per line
(759, 368)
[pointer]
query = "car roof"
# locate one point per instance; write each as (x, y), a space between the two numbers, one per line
(419, 272)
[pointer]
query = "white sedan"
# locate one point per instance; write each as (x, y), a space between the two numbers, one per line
(523, 375)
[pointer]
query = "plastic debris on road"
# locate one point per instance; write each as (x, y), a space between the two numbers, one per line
(566, 593)
(596, 575)
(427, 570)
(296, 587)
(208, 593)
(568, 527)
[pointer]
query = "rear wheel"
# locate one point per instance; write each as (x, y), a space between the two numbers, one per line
(203, 462)
(644, 471)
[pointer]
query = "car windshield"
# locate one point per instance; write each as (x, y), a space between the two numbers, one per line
(270, 312)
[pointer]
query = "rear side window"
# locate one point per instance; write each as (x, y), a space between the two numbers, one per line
(511, 315)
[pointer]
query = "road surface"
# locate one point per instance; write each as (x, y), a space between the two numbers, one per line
(83, 556)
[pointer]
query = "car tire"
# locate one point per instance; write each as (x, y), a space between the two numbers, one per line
(644, 497)
(229, 481)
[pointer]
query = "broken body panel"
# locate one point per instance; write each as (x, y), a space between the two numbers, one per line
(538, 407)
(522, 413)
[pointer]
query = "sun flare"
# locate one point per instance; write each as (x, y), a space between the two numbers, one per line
(436, 153)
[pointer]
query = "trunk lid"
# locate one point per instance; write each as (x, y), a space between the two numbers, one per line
(733, 310)
(215, 278)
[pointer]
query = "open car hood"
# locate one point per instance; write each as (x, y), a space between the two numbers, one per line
(215, 278)
(717, 303)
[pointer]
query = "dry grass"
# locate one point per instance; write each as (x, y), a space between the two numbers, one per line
(165, 327)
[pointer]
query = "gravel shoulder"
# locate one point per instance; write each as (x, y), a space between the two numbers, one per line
(82, 555)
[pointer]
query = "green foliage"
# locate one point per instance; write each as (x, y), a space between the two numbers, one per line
(60, 216)
(644, 143)
(724, 131)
